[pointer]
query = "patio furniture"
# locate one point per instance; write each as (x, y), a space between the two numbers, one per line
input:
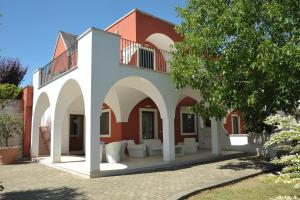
(122, 150)
(190, 145)
(101, 152)
(113, 152)
(179, 150)
(154, 146)
(136, 150)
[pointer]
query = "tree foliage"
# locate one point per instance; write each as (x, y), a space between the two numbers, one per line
(11, 71)
(241, 55)
(8, 92)
(286, 141)
(10, 126)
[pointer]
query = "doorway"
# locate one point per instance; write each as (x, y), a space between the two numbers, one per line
(148, 123)
(76, 133)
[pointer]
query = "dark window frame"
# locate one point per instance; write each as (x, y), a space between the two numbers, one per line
(145, 60)
(105, 113)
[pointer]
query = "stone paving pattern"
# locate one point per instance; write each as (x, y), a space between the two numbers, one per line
(35, 181)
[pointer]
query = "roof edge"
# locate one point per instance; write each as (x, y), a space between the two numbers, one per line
(142, 12)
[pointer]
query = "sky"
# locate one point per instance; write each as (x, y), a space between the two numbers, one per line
(29, 28)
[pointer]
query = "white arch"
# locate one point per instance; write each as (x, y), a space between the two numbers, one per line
(41, 105)
(69, 92)
(124, 101)
(161, 41)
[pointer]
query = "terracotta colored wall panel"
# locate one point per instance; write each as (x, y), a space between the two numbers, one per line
(228, 124)
(27, 103)
(126, 27)
(184, 102)
(115, 128)
(147, 25)
(130, 130)
(60, 47)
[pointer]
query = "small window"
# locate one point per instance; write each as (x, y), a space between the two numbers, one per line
(207, 122)
(235, 124)
(188, 123)
(146, 58)
(105, 124)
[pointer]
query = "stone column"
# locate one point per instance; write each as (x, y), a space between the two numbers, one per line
(169, 139)
(92, 138)
(215, 136)
(56, 136)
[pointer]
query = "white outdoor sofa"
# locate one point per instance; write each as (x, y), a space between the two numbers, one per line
(112, 151)
(190, 146)
(154, 146)
(136, 150)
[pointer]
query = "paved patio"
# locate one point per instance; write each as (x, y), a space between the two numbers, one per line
(76, 164)
(35, 181)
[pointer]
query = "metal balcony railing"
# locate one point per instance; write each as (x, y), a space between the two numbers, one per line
(144, 56)
(61, 64)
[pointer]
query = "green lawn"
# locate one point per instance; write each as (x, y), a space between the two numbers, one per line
(256, 188)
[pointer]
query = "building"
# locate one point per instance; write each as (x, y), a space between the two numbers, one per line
(112, 85)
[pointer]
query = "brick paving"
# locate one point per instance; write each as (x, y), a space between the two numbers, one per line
(35, 181)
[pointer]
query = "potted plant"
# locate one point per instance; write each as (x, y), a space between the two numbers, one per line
(10, 126)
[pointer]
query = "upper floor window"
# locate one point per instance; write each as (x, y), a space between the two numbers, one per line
(146, 58)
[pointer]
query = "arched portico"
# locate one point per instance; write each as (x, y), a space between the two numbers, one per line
(41, 105)
(70, 93)
(128, 91)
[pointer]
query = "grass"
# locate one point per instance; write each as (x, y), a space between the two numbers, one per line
(253, 188)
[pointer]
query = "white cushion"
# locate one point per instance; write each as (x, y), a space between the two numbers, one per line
(113, 152)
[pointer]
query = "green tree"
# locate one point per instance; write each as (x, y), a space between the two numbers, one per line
(10, 126)
(241, 55)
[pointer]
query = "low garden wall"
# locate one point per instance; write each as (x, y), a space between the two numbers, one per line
(14, 107)
(255, 145)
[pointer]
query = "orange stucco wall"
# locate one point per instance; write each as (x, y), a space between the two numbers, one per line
(126, 27)
(130, 130)
(138, 26)
(228, 124)
(27, 106)
(59, 48)
(147, 25)
(116, 128)
(187, 101)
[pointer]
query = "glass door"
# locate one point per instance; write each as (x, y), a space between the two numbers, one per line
(147, 125)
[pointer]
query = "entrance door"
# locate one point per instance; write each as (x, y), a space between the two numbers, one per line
(76, 133)
(147, 125)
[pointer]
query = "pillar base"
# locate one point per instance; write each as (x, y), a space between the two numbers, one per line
(94, 174)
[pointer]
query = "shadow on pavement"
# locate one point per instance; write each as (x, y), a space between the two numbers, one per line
(248, 163)
(51, 193)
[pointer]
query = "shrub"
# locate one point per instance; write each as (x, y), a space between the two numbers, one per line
(8, 92)
(287, 142)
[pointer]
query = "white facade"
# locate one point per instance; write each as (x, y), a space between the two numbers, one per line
(99, 77)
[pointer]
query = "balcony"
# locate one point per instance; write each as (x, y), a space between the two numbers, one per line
(144, 56)
(64, 62)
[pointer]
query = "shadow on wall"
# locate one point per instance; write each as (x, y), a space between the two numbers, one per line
(53, 194)
(248, 163)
